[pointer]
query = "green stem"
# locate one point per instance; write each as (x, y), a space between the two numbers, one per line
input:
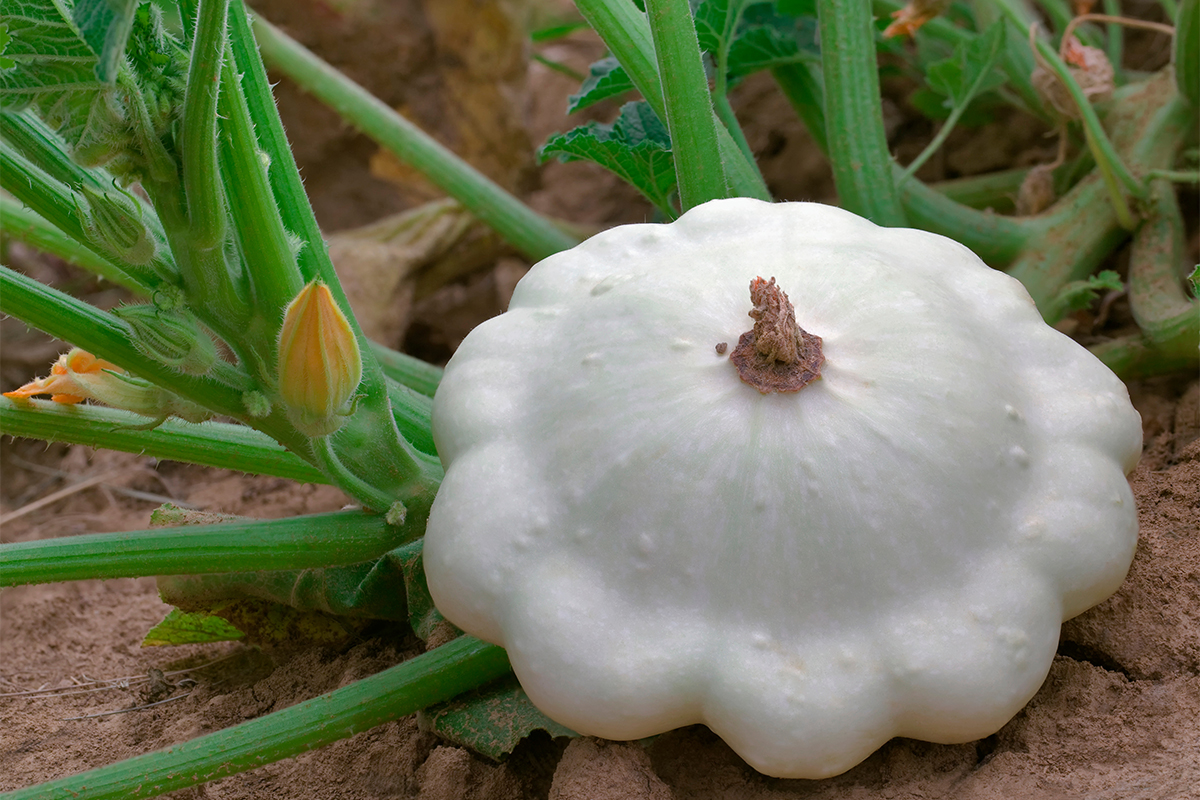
(406, 370)
(351, 484)
(412, 412)
(720, 93)
(1138, 356)
(994, 238)
(274, 276)
(210, 444)
(730, 121)
(1156, 294)
(22, 224)
(198, 145)
(532, 234)
(805, 92)
(690, 118)
(626, 33)
(316, 540)
(1114, 43)
(1174, 175)
(434, 677)
(33, 139)
(858, 151)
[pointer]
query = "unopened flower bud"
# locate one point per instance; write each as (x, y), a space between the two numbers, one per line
(173, 337)
(319, 362)
(113, 222)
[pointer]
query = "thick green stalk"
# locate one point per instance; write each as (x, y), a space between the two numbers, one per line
(274, 277)
(198, 145)
(33, 139)
(1156, 295)
(690, 119)
(412, 412)
(20, 223)
(995, 238)
(406, 370)
(1138, 356)
(210, 444)
(858, 150)
(436, 676)
(626, 32)
(73, 320)
(806, 93)
(529, 232)
(317, 540)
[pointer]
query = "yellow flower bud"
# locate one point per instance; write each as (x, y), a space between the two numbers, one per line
(319, 362)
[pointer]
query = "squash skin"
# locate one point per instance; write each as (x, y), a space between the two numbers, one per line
(888, 552)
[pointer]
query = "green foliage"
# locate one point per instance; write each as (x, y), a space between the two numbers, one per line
(636, 147)
(491, 721)
(750, 36)
(105, 25)
(606, 78)
(106, 107)
(55, 69)
(1078, 295)
(181, 627)
(968, 73)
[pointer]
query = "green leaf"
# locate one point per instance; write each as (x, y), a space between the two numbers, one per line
(715, 20)
(1078, 295)
(181, 627)
(5, 63)
(767, 39)
(755, 35)
(970, 71)
(491, 721)
(54, 69)
(1194, 280)
(636, 147)
(606, 78)
(106, 25)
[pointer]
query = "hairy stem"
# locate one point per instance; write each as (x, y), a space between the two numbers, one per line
(210, 444)
(201, 179)
(317, 540)
(690, 119)
(862, 165)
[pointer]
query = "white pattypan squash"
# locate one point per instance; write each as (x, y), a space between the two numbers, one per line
(888, 551)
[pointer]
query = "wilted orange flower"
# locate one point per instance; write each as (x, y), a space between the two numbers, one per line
(78, 375)
(69, 378)
(916, 13)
